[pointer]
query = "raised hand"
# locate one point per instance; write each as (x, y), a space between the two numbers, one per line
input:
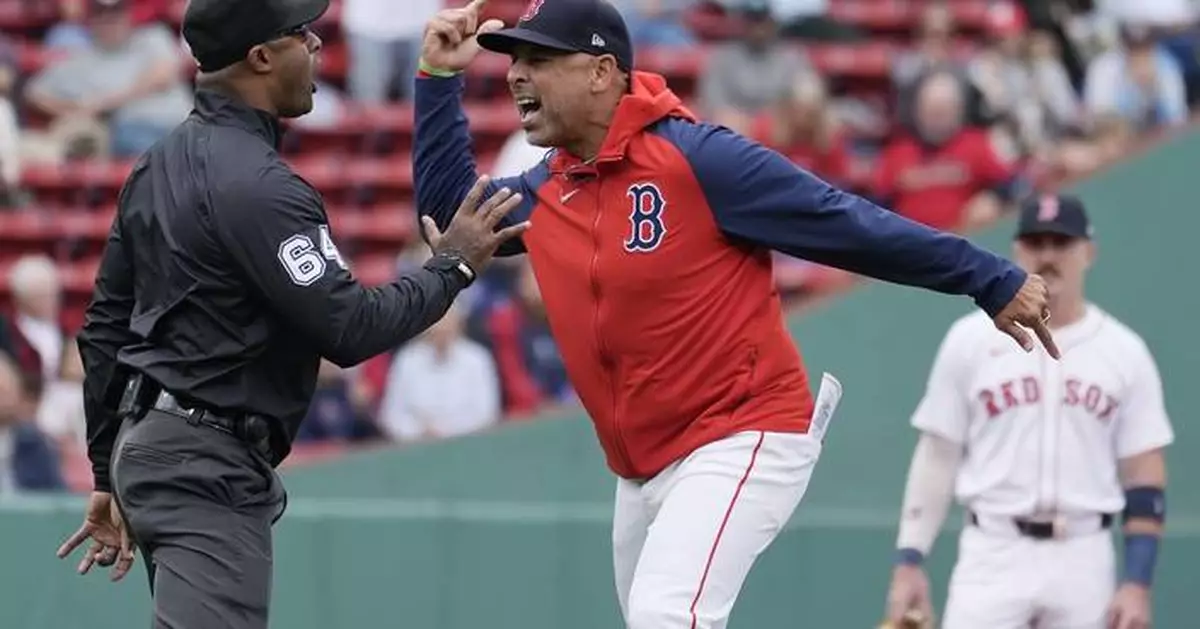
(472, 232)
(449, 43)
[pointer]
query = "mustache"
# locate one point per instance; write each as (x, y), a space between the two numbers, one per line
(1047, 270)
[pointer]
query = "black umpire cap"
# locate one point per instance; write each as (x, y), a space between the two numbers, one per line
(1060, 214)
(594, 27)
(221, 32)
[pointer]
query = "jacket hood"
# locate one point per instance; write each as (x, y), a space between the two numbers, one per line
(649, 101)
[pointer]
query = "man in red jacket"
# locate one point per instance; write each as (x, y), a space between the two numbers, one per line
(650, 238)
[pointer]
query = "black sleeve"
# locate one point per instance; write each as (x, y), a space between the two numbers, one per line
(278, 236)
(105, 331)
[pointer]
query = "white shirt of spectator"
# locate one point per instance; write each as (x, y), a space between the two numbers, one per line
(60, 414)
(1107, 84)
(387, 19)
(517, 156)
(1149, 12)
(450, 395)
(1044, 436)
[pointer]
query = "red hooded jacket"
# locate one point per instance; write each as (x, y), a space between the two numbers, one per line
(653, 261)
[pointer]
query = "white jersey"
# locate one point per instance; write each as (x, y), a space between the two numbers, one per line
(1040, 435)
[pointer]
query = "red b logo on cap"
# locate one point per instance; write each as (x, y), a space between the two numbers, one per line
(1048, 208)
(531, 10)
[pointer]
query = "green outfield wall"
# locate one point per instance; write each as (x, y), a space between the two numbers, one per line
(509, 530)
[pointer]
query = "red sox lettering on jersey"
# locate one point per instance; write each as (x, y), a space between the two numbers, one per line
(1027, 391)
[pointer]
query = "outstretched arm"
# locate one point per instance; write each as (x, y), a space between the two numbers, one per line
(444, 162)
(760, 197)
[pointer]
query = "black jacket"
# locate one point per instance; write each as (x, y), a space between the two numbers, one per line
(221, 283)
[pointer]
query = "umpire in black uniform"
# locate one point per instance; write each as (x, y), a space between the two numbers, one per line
(219, 291)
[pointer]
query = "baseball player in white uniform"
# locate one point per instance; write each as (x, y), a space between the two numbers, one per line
(1044, 456)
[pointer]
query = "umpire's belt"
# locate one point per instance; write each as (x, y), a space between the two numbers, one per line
(251, 429)
(1056, 528)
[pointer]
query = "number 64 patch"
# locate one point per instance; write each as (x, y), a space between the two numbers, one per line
(302, 260)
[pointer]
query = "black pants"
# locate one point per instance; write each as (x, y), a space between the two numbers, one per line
(200, 504)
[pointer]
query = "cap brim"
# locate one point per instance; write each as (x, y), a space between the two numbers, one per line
(1042, 229)
(506, 40)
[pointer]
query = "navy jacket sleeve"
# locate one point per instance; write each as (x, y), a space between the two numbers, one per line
(276, 232)
(759, 197)
(444, 161)
(105, 331)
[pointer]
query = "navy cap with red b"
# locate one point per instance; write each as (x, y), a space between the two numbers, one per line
(594, 27)
(1060, 214)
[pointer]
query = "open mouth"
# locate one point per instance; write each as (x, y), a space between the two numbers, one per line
(528, 107)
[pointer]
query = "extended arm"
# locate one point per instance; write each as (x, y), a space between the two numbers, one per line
(759, 197)
(105, 331)
(444, 162)
(278, 234)
(1143, 434)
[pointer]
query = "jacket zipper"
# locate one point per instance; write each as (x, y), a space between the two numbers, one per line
(605, 358)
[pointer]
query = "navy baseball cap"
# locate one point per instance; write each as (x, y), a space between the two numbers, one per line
(1054, 214)
(221, 32)
(594, 27)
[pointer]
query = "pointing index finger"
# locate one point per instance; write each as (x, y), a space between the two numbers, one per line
(1047, 339)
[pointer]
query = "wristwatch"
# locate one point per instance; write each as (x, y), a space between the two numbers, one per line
(455, 262)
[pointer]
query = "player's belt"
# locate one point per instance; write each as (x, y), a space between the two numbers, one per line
(252, 430)
(1057, 528)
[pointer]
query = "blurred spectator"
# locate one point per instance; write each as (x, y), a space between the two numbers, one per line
(803, 128)
(1158, 14)
(517, 155)
(339, 410)
(384, 44)
(942, 172)
(69, 33)
(60, 413)
(1106, 140)
(933, 49)
(440, 385)
(532, 373)
(1139, 81)
(745, 76)
(1022, 79)
(657, 22)
(129, 84)
(28, 461)
(933, 52)
(810, 20)
(10, 138)
(37, 297)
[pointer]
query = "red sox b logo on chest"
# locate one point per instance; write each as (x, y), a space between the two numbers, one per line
(646, 226)
(1027, 392)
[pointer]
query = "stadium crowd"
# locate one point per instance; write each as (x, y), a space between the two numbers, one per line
(946, 111)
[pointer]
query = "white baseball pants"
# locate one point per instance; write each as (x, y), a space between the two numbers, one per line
(1008, 581)
(684, 541)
